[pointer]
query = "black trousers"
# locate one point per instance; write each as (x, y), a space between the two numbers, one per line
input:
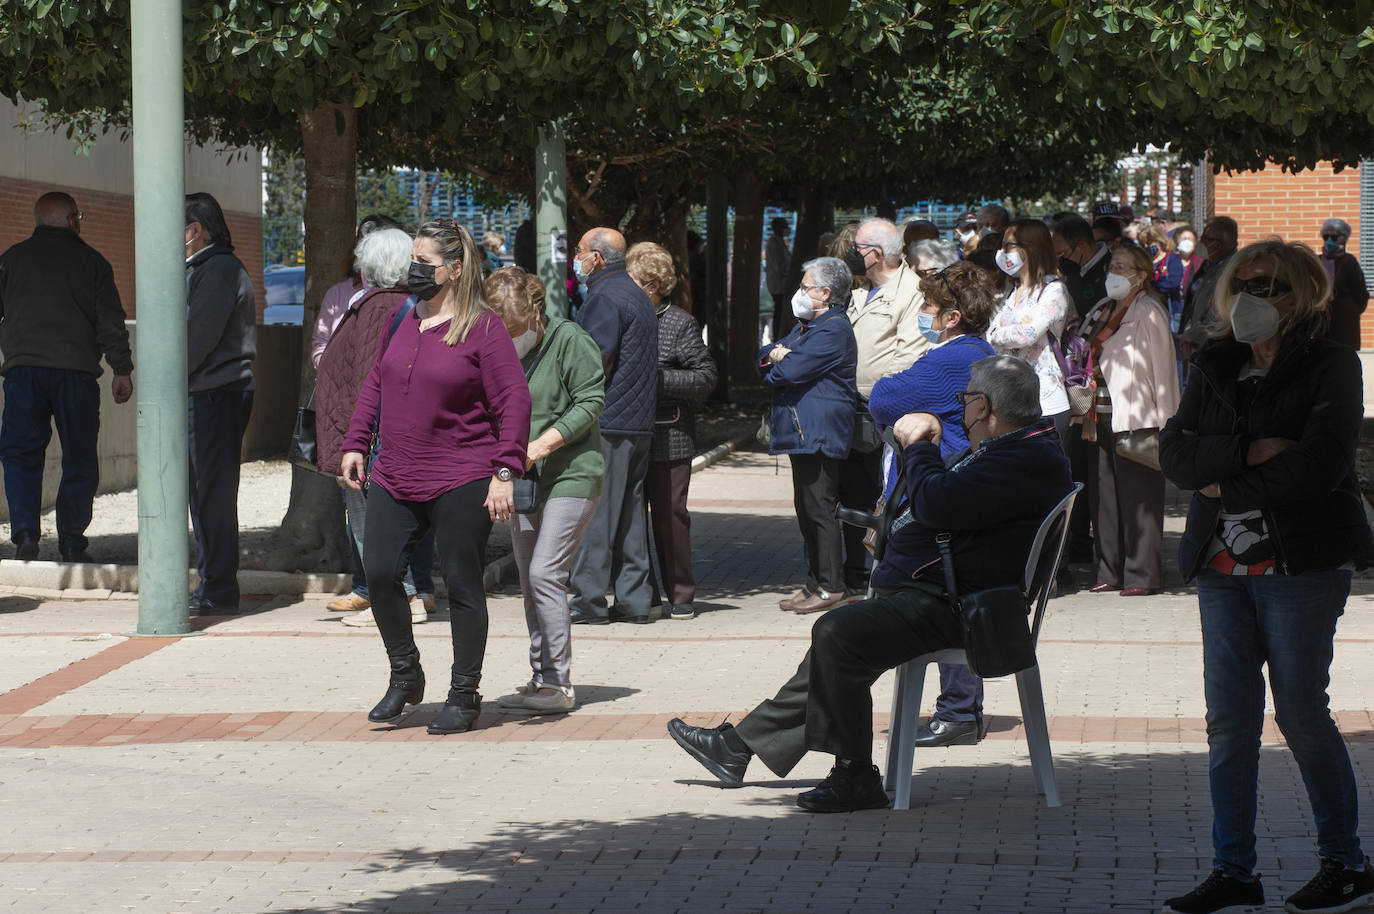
(393, 529)
(216, 421)
(827, 706)
(815, 492)
(1083, 467)
(861, 484)
(666, 490)
(1130, 519)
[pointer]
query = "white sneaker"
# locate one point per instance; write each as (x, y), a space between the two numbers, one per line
(418, 613)
(360, 620)
(562, 699)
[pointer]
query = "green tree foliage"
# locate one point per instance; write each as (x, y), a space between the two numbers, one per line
(283, 217)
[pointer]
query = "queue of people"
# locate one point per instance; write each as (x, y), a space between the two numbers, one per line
(448, 400)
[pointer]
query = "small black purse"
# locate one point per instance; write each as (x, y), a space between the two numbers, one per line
(995, 623)
(303, 451)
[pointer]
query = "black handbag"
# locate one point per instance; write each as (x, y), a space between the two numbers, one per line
(303, 451)
(865, 438)
(995, 623)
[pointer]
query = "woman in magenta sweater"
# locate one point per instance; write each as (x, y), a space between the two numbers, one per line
(452, 411)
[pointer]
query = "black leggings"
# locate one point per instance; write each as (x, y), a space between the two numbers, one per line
(393, 529)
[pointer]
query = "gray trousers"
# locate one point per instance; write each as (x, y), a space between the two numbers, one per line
(615, 550)
(544, 543)
(1130, 520)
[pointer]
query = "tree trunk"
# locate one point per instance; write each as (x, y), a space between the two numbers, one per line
(312, 536)
(815, 214)
(744, 293)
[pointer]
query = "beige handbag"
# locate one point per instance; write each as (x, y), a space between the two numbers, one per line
(1141, 446)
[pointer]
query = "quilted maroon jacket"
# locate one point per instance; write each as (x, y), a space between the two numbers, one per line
(344, 366)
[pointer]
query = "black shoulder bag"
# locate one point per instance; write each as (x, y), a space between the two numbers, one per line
(526, 495)
(995, 624)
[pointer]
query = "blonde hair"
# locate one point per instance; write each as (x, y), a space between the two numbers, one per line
(1152, 234)
(1293, 264)
(507, 293)
(534, 288)
(649, 262)
(456, 246)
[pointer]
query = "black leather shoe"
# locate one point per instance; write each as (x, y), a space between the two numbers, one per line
(638, 620)
(850, 786)
(26, 546)
(76, 555)
(579, 618)
(713, 750)
(936, 733)
(459, 713)
(199, 606)
(406, 687)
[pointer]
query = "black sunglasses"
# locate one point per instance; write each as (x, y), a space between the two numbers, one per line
(1260, 286)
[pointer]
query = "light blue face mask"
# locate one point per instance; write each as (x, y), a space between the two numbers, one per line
(926, 324)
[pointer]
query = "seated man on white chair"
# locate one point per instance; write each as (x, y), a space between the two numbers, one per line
(992, 501)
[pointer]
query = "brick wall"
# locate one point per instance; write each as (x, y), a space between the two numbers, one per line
(109, 228)
(1292, 206)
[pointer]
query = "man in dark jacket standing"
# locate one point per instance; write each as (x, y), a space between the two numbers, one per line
(59, 311)
(221, 343)
(992, 501)
(615, 550)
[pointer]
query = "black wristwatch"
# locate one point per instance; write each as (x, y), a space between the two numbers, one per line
(504, 474)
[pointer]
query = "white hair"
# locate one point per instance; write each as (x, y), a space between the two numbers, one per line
(383, 258)
(940, 253)
(1337, 226)
(833, 274)
(883, 233)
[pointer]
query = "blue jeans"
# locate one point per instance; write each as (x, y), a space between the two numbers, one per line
(1288, 622)
(35, 399)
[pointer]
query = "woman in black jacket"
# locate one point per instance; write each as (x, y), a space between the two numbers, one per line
(1266, 435)
(686, 376)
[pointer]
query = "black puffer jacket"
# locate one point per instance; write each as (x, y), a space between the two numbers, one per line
(686, 376)
(1308, 494)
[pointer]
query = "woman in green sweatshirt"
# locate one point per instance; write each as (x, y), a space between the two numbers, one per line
(567, 388)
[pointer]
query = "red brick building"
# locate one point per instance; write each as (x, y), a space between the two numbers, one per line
(101, 180)
(1294, 206)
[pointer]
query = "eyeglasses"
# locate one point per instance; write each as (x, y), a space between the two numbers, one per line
(1260, 286)
(963, 396)
(807, 289)
(1008, 245)
(860, 245)
(1122, 271)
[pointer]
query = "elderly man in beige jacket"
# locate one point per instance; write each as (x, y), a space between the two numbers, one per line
(884, 321)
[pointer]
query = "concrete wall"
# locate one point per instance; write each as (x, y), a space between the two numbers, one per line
(35, 161)
(275, 376)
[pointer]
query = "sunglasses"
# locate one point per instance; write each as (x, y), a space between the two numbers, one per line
(1260, 286)
(963, 396)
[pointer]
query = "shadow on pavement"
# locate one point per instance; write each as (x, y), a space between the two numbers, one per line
(18, 604)
(493, 716)
(1135, 829)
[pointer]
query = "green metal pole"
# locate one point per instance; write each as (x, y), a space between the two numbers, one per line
(159, 226)
(551, 217)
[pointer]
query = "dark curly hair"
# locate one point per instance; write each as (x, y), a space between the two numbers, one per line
(967, 288)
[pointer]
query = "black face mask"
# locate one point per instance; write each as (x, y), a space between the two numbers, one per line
(855, 261)
(420, 281)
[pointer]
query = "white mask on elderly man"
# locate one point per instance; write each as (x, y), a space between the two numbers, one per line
(803, 305)
(524, 343)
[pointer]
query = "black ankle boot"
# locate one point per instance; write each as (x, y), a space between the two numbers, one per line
(407, 687)
(460, 711)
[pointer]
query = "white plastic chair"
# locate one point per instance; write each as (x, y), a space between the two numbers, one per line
(1041, 567)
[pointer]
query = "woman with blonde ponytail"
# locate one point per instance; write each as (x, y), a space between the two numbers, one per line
(449, 410)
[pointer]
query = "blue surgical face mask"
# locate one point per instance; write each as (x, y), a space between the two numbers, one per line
(1331, 247)
(926, 324)
(577, 268)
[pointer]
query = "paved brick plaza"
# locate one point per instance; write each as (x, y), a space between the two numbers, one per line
(236, 771)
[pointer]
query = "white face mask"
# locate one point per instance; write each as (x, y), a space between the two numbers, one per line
(1010, 263)
(1185, 247)
(1118, 287)
(524, 343)
(803, 305)
(1253, 319)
